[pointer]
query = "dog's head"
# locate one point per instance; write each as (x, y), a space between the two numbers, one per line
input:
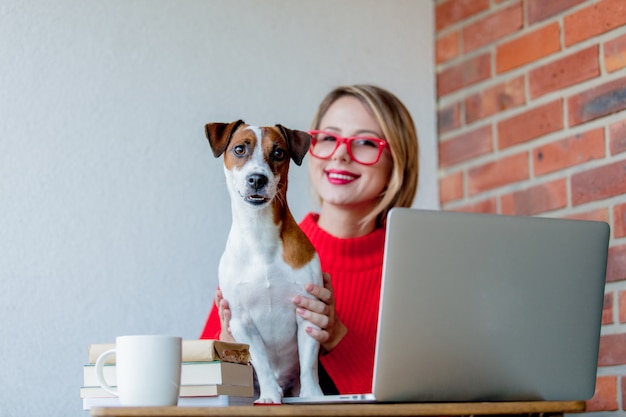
(256, 159)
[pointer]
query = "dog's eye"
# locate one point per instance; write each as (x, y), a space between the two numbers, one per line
(279, 154)
(240, 150)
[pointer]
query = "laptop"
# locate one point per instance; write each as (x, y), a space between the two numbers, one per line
(479, 307)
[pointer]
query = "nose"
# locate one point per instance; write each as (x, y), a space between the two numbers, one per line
(257, 181)
(341, 152)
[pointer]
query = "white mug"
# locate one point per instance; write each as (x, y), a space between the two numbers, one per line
(147, 370)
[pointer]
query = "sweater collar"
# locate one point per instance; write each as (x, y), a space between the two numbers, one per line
(366, 251)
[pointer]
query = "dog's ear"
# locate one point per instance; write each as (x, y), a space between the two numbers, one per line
(298, 143)
(219, 135)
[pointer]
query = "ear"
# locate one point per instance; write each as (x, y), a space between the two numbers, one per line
(219, 135)
(298, 143)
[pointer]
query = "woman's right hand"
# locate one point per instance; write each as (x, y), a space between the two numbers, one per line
(224, 314)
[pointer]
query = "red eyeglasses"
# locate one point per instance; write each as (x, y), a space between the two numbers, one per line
(362, 149)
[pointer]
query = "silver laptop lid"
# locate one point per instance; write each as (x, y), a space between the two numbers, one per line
(481, 307)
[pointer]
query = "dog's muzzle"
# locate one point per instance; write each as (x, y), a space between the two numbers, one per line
(257, 189)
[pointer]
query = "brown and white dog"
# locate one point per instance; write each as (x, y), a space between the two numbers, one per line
(268, 259)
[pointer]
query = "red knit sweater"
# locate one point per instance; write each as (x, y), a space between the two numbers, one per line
(355, 266)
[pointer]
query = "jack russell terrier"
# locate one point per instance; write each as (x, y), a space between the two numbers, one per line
(268, 259)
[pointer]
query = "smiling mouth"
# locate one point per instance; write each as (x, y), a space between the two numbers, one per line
(256, 199)
(341, 177)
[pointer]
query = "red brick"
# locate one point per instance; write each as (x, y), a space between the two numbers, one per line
(449, 118)
(451, 188)
(447, 47)
(530, 124)
(538, 199)
(528, 48)
(466, 73)
(466, 146)
(572, 69)
(495, 26)
(619, 220)
(616, 265)
(568, 152)
(488, 206)
(605, 397)
(594, 20)
(607, 309)
(617, 137)
(504, 96)
(599, 215)
(612, 350)
(539, 10)
(622, 307)
(615, 54)
(504, 171)
(599, 183)
(453, 11)
(597, 102)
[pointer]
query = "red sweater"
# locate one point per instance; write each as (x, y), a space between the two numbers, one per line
(355, 266)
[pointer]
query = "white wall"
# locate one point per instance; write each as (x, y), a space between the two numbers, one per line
(113, 211)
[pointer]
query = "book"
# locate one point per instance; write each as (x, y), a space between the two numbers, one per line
(209, 390)
(200, 350)
(192, 373)
(213, 373)
(213, 401)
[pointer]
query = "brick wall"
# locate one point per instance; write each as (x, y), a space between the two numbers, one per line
(532, 121)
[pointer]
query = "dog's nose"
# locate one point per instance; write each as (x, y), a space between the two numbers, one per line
(257, 181)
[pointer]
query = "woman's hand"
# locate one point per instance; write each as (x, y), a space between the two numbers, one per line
(321, 312)
(224, 314)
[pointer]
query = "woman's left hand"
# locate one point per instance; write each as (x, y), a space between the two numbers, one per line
(321, 312)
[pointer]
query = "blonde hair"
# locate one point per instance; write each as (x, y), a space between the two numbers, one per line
(399, 130)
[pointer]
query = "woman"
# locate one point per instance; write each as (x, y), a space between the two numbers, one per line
(364, 161)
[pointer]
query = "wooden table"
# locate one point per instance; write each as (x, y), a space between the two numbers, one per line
(353, 410)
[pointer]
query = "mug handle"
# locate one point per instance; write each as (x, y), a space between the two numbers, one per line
(100, 372)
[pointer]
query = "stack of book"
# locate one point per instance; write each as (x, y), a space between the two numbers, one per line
(213, 373)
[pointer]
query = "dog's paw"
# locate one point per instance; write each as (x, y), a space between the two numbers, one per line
(274, 400)
(267, 401)
(270, 397)
(310, 390)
